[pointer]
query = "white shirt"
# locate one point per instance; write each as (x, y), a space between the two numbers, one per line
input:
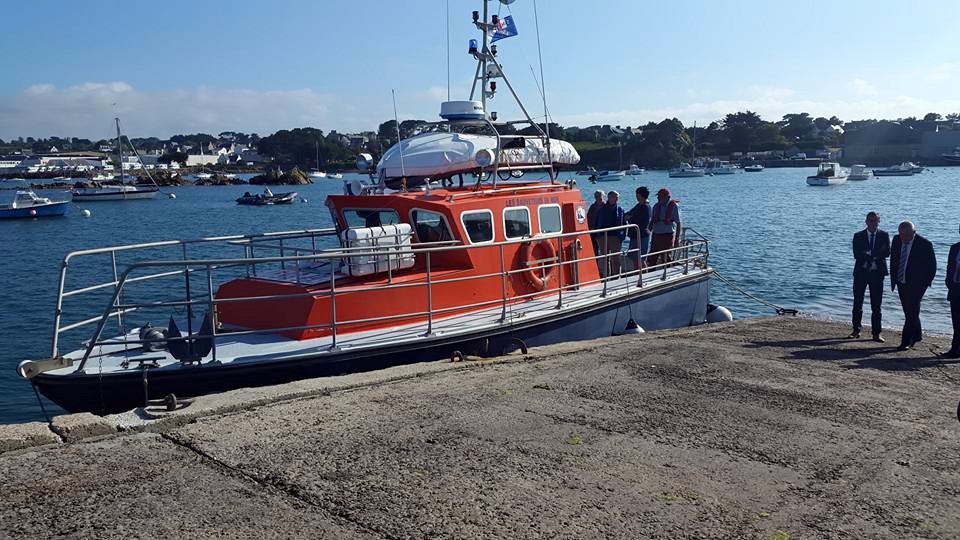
(904, 257)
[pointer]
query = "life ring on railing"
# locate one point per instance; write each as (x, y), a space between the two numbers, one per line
(532, 274)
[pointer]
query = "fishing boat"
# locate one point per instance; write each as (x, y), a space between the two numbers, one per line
(904, 169)
(26, 204)
(720, 168)
(608, 176)
(267, 197)
(116, 192)
(753, 167)
(427, 269)
(828, 174)
(685, 170)
(859, 172)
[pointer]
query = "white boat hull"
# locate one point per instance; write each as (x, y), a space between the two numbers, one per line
(686, 174)
(92, 196)
(826, 181)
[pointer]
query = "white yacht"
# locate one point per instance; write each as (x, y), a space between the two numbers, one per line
(721, 167)
(635, 171)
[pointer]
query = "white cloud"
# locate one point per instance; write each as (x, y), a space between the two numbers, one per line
(860, 87)
(87, 110)
(769, 108)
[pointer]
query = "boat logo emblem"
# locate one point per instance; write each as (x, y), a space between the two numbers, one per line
(581, 214)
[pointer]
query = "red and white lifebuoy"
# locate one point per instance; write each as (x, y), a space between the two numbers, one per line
(533, 274)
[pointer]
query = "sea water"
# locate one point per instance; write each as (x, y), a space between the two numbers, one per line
(773, 235)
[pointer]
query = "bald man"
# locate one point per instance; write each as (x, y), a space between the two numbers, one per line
(913, 265)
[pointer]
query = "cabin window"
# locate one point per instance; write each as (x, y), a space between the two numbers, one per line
(373, 217)
(479, 226)
(549, 216)
(430, 226)
(516, 222)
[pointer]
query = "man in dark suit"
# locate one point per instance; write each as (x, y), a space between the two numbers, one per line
(913, 266)
(871, 247)
(953, 295)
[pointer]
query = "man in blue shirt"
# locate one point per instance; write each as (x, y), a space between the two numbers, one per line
(611, 215)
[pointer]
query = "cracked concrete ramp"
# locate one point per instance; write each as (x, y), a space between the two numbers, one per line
(771, 428)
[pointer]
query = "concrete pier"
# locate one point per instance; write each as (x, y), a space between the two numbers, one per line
(768, 428)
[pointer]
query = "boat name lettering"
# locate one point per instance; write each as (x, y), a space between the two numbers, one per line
(528, 201)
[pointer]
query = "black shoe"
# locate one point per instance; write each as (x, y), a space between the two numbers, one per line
(904, 347)
(879, 339)
(854, 335)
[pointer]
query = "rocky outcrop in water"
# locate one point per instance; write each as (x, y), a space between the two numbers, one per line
(219, 179)
(276, 177)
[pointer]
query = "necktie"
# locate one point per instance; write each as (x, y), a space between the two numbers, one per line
(871, 243)
(902, 269)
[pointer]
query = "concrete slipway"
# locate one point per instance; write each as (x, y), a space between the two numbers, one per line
(769, 428)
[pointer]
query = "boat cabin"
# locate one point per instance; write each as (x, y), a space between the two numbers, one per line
(828, 169)
(404, 256)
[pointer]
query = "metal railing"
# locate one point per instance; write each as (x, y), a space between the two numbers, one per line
(689, 253)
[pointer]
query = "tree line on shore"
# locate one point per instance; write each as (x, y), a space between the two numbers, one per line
(655, 144)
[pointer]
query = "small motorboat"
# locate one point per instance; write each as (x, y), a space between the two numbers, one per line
(635, 171)
(608, 176)
(203, 176)
(859, 172)
(26, 204)
(589, 171)
(335, 176)
(953, 158)
(903, 169)
(753, 167)
(685, 170)
(318, 174)
(267, 197)
(916, 168)
(828, 174)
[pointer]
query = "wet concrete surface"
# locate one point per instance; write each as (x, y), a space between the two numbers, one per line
(769, 428)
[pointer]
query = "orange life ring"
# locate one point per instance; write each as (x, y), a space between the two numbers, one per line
(532, 274)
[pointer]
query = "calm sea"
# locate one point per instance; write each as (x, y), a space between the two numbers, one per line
(770, 232)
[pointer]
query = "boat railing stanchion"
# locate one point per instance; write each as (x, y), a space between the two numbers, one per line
(116, 277)
(575, 264)
(503, 286)
(605, 274)
(559, 263)
(58, 312)
(186, 277)
(333, 309)
(213, 316)
(429, 298)
(283, 264)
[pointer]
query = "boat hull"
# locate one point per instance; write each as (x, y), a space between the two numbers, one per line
(46, 210)
(686, 174)
(826, 181)
(678, 305)
(859, 177)
(893, 173)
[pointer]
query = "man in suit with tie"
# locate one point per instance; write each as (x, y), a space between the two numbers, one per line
(913, 266)
(953, 295)
(871, 247)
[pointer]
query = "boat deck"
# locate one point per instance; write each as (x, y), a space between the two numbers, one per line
(272, 347)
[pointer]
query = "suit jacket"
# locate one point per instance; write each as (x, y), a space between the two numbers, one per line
(881, 250)
(953, 288)
(921, 266)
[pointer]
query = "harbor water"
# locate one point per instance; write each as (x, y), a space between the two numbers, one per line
(776, 237)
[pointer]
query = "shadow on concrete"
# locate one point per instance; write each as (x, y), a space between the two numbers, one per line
(885, 358)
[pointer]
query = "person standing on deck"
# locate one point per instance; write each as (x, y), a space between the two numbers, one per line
(592, 224)
(913, 265)
(871, 247)
(665, 226)
(953, 295)
(639, 215)
(611, 215)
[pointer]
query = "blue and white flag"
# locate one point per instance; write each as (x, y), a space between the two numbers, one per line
(505, 28)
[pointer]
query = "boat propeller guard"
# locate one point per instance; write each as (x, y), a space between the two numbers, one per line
(534, 268)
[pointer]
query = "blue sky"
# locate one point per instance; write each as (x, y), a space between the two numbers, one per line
(179, 66)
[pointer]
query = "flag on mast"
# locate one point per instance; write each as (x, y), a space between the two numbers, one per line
(505, 28)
